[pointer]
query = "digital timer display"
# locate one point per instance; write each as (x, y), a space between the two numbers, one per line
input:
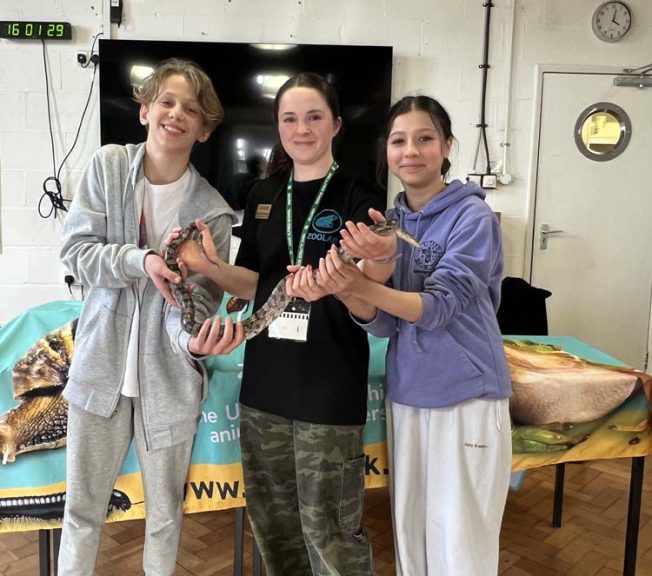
(15, 30)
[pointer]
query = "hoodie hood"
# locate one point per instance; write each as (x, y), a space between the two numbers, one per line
(451, 194)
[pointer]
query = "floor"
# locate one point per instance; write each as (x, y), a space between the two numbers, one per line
(589, 543)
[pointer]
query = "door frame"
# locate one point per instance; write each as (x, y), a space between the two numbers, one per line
(648, 348)
(533, 171)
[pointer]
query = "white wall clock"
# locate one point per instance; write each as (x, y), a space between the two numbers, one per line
(611, 21)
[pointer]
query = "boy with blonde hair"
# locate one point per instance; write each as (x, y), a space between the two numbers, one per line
(135, 373)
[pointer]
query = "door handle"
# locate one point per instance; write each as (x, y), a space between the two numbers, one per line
(544, 232)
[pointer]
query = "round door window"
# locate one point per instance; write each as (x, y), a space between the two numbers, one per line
(602, 131)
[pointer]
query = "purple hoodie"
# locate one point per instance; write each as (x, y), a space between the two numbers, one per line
(454, 351)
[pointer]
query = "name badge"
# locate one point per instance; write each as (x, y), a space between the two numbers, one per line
(262, 211)
(293, 323)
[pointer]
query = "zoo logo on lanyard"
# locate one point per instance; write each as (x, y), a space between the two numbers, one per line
(311, 215)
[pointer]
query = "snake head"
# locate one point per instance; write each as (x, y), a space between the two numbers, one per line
(392, 227)
(407, 237)
(384, 228)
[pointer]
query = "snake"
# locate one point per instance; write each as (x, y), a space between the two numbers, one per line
(278, 299)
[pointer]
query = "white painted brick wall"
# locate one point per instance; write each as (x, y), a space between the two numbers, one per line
(15, 266)
(12, 188)
(42, 262)
(437, 49)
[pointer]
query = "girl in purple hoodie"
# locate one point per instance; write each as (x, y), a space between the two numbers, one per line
(448, 384)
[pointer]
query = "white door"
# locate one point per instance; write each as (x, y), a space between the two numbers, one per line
(599, 266)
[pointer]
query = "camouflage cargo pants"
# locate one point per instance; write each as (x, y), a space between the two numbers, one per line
(304, 485)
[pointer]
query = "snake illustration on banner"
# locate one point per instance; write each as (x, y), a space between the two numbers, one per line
(50, 506)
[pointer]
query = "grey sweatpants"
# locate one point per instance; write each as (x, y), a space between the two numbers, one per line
(96, 449)
(304, 486)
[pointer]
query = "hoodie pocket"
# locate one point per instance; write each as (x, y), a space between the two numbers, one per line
(453, 351)
(88, 321)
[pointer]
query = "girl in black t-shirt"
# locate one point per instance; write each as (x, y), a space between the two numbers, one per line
(304, 385)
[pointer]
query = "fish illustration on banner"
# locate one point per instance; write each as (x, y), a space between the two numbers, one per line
(566, 407)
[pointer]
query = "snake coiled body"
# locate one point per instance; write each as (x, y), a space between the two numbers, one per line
(278, 299)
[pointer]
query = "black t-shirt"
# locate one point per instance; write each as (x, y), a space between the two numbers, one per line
(323, 380)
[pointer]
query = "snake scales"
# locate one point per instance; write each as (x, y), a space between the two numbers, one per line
(278, 299)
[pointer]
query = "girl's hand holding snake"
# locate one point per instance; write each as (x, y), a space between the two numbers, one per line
(360, 242)
(300, 283)
(334, 276)
(196, 257)
(338, 277)
(208, 341)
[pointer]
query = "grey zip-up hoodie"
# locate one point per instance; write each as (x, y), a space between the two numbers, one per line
(100, 249)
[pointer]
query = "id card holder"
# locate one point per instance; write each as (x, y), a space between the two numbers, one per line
(293, 323)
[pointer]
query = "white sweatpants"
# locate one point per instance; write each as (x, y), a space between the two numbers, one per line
(449, 476)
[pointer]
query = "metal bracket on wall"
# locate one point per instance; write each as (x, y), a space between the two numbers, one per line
(642, 79)
(634, 81)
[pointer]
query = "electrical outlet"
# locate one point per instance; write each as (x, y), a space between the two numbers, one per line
(488, 181)
(83, 57)
(475, 178)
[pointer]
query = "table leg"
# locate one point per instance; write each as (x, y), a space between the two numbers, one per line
(56, 543)
(238, 541)
(44, 553)
(558, 500)
(633, 515)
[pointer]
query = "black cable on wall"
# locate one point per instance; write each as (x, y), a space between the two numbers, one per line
(55, 196)
(482, 125)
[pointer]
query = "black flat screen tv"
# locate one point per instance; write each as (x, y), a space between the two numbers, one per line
(246, 77)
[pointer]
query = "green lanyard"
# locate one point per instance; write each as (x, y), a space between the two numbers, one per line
(311, 214)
